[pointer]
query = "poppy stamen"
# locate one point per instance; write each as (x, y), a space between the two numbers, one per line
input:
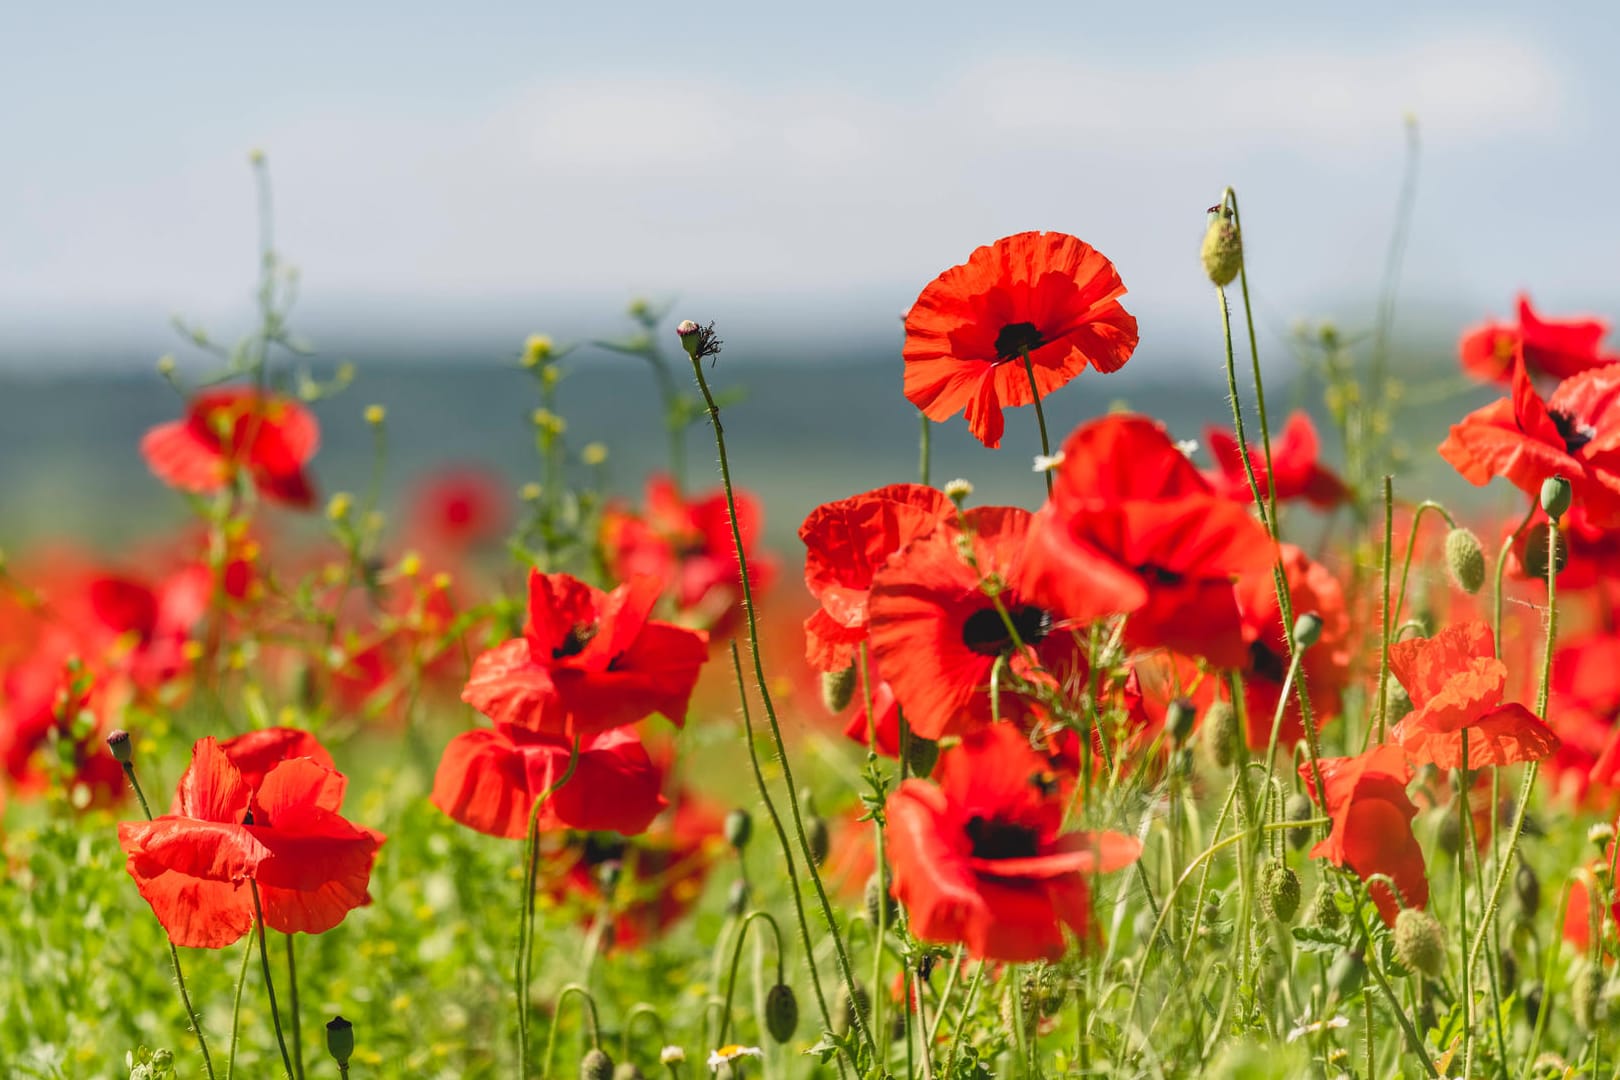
(985, 631)
(1001, 839)
(1015, 339)
(1574, 433)
(575, 641)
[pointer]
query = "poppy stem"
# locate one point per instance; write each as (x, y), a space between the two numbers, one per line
(531, 870)
(1411, 543)
(236, 1008)
(765, 695)
(269, 979)
(1229, 197)
(636, 1012)
(174, 953)
(1040, 417)
(1375, 966)
(961, 1019)
(1383, 636)
(925, 450)
(736, 956)
(292, 1005)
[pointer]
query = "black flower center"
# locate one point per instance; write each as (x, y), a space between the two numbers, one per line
(1017, 338)
(1574, 433)
(603, 847)
(1001, 840)
(985, 631)
(1267, 664)
(575, 641)
(1158, 575)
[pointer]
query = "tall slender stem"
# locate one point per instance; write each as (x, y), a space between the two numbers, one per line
(925, 449)
(1040, 416)
(292, 1005)
(1383, 637)
(531, 870)
(736, 956)
(236, 1008)
(269, 979)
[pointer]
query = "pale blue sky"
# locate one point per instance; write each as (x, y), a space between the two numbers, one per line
(495, 168)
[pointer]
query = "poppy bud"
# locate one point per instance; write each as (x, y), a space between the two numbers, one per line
(1510, 968)
(1222, 252)
(1279, 891)
(1346, 973)
(688, 332)
(1307, 630)
(1450, 834)
(1178, 720)
(1555, 496)
(959, 490)
(846, 1010)
(607, 876)
(781, 1012)
(739, 828)
(820, 841)
(1528, 889)
(596, 1065)
(737, 898)
(1420, 943)
(1397, 702)
(1533, 556)
(922, 755)
(1465, 560)
(1585, 997)
(1221, 733)
(340, 1040)
(1532, 1003)
(876, 894)
(837, 689)
(1298, 808)
(1324, 909)
(119, 744)
(628, 1071)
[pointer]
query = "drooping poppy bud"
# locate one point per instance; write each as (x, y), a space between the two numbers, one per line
(1221, 733)
(1527, 887)
(781, 1012)
(739, 828)
(1222, 251)
(1279, 891)
(1298, 808)
(1178, 720)
(596, 1065)
(1420, 943)
(1324, 909)
(838, 689)
(1465, 560)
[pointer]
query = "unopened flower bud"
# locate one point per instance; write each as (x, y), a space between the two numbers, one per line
(375, 415)
(594, 454)
(1178, 719)
(537, 349)
(1586, 995)
(1555, 496)
(838, 689)
(781, 1012)
(1220, 733)
(922, 755)
(1534, 553)
(119, 743)
(1298, 808)
(689, 331)
(1325, 909)
(1532, 998)
(1279, 891)
(671, 1055)
(879, 904)
(1420, 943)
(165, 365)
(1527, 887)
(739, 828)
(1465, 560)
(1397, 702)
(1307, 630)
(1449, 834)
(847, 1009)
(1222, 252)
(596, 1065)
(340, 1039)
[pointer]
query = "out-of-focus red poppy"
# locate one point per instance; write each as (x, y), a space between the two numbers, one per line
(234, 429)
(845, 543)
(937, 635)
(1297, 469)
(1590, 553)
(194, 866)
(588, 661)
(1578, 916)
(687, 545)
(458, 508)
(1556, 347)
(47, 696)
(1047, 294)
(1574, 434)
(980, 858)
(1132, 527)
(1456, 684)
(886, 729)
(488, 780)
(1372, 824)
(657, 877)
(1311, 588)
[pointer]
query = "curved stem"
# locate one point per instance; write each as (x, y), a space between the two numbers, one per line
(556, 1012)
(1376, 968)
(269, 980)
(1411, 545)
(636, 1013)
(1383, 637)
(1040, 415)
(736, 956)
(531, 871)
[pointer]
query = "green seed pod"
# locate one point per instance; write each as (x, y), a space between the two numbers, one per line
(1465, 560)
(1307, 629)
(1299, 808)
(1420, 943)
(1324, 912)
(1222, 251)
(1220, 734)
(739, 828)
(1279, 891)
(1555, 496)
(922, 755)
(1450, 834)
(595, 1065)
(838, 689)
(340, 1039)
(781, 1012)
(1346, 973)
(1398, 703)
(1531, 1000)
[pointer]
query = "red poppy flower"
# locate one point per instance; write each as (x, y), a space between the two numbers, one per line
(1456, 684)
(1575, 434)
(845, 543)
(194, 865)
(980, 858)
(937, 635)
(489, 778)
(1049, 294)
(1132, 527)
(1311, 588)
(232, 429)
(1298, 471)
(1372, 824)
(255, 753)
(1556, 347)
(588, 661)
(455, 509)
(887, 728)
(687, 545)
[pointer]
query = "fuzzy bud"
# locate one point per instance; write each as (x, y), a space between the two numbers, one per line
(1324, 910)
(1222, 252)
(628, 1071)
(922, 755)
(1298, 808)
(838, 689)
(1586, 995)
(1397, 703)
(596, 1065)
(1449, 834)
(1465, 560)
(846, 1011)
(689, 333)
(1532, 998)
(1307, 630)
(781, 1012)
(1221, 733)
(340, 1039)
(739, 828)
(1178, 720)
(1420, 943)
(817, 837)
(1555, 496)
(1527, 887)
(1279, 891)
(119, 743)
(1534, 554)
(877, 895)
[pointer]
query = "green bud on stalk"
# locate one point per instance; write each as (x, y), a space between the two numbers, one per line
(739, 828)
(1178, 720)
(1420, 943)
(1307, 629)
(781, 1012)
(1555, 496)
(1465, 560)
(1299, 808)
(340, 1040)
(1220, 734)
(838, 689)
(596, 1065)
(1279, 891)
(1222, 252)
